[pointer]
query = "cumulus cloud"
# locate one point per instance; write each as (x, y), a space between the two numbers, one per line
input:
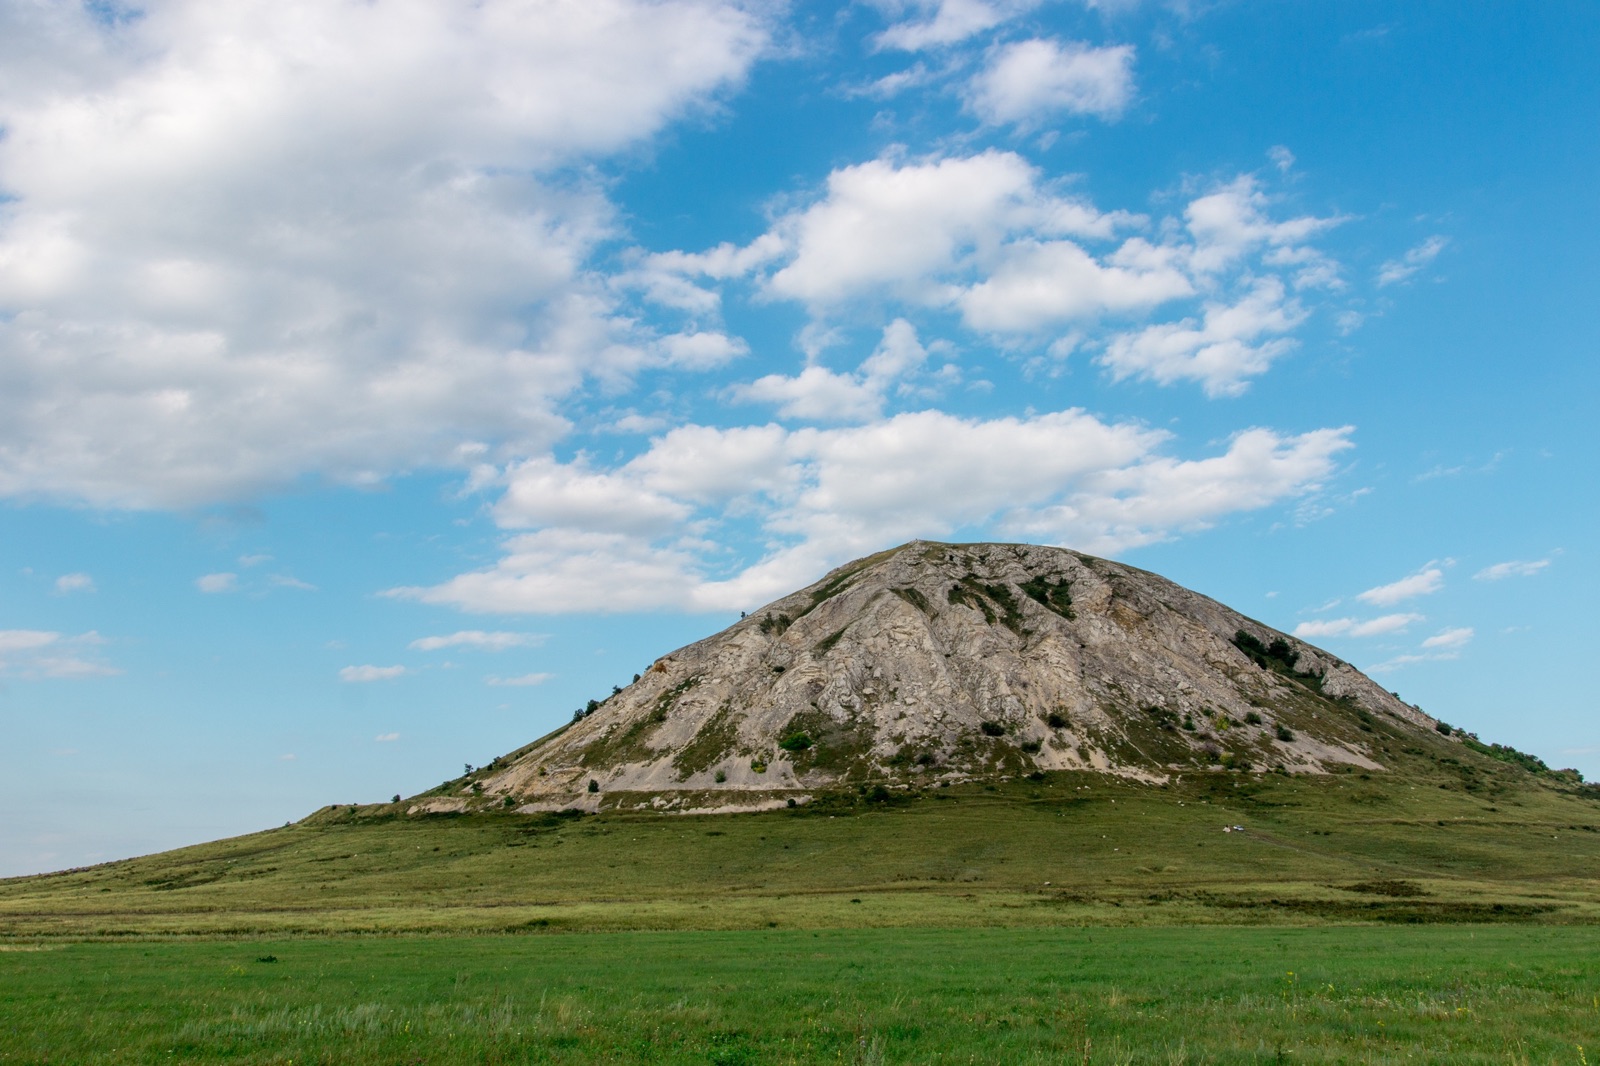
(1429, 579)
(74, 583)
(243, 243)
(545, 492)
(1354, 627)
(1234, 220)
(822, 496)
(1026, 82)
(215, 583)
(1397, 270)
(1228, 345)
(1042, 283)
(821, 395)
(359, 674)
(477, 638)
(890, 227)
(1512, 568)
(987, 236)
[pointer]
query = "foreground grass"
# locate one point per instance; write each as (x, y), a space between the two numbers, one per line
(1124, 995)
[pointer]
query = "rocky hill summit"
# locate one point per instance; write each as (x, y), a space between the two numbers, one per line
(932, 663)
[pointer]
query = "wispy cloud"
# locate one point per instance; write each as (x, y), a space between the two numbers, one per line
(1450, 638)
(26, 639)
(371, 673)
(289, 581)
(1354, 627)
(1441, 647)
(477, 638)
(1397, 270)
(1513, 568)
(74, 583)
(43, 653)
(1429, 579)
(518, 682)
(386, 738)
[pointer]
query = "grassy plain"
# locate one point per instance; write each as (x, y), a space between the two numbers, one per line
(1437, 915)
(1370, 994)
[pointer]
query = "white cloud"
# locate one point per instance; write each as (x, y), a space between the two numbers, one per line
(1233, 342)
(26, 639)
(1025, 82)
(544, 492)
(1396, 270)
(1444, 647)
(1450, 638)
(253, 241)
(1037, 284)
(1429, 579)
(477, 638)
(71, 666)
(289, 581)
(821, 395)
(386, 738)
(894, 227)
(1354, 627)
(370, 673)
(702, 350)
(1390, 665)
(1513, 568)
(41, 653)
(214, 583)
(816, 394)
(822, 496)
(985, 235)
(74, 583)
(1232, 220)
(520, 681)
(946, 22)
(557, 571)
(248, 561)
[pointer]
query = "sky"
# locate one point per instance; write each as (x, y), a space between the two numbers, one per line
(382, 379)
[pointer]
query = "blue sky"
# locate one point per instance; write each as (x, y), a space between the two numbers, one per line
(379, 381)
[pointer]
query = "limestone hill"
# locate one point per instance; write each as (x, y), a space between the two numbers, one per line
(934, 663)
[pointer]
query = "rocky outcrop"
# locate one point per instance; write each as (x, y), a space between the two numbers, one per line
(952, 661)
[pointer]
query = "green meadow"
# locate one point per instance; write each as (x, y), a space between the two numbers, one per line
(1370, 994)
(1432, 916)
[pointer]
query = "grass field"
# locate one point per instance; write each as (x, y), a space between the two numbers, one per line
(1073, 848)
(1442, 994)
(1392, 918)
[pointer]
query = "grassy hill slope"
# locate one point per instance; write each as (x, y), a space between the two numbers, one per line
(1479, 840)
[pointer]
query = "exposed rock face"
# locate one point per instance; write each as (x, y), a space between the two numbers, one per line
(949, 661)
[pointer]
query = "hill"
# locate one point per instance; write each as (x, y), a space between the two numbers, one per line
(935, 664)
(952, 735)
